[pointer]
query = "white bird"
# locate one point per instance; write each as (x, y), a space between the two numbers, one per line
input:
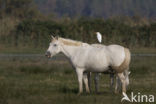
(99, 37)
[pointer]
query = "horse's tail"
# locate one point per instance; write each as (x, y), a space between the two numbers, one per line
(125, 64)
(124, 67)
(126, 73)
(128, 59)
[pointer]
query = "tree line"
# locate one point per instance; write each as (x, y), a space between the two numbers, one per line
(98, 8)
(22, 24)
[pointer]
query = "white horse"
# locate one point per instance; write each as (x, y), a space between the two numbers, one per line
(88, 58)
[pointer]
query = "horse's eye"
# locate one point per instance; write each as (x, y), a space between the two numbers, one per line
(55, 45)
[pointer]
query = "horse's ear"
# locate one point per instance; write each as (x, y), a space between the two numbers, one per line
(57, 37)
(52, 37)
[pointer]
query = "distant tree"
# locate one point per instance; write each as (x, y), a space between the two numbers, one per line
(18, 8)
(98, 8)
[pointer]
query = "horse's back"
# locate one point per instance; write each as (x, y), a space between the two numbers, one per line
(116, 54)
(99, 57)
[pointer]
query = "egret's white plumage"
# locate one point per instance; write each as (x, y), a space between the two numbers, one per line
(99, 37)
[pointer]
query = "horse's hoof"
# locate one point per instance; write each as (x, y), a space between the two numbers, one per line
(116, 92)
(79, 94)
(88, 92)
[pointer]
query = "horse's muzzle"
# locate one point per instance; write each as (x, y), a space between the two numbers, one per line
(47, 54)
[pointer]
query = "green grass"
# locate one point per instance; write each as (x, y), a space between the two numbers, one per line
(143, 50)
(41, 50)
(21, 49)
(31, 81)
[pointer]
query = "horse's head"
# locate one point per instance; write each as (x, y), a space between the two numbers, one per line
(54, 47)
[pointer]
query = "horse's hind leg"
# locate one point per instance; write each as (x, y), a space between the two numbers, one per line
(85, 79)
(96, 80)
(123, 81)
(117, 85)
(111, 81)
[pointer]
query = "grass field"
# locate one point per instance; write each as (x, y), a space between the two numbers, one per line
(41, 50)
(43, 81)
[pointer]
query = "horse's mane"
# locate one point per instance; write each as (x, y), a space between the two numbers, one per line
(70, 42)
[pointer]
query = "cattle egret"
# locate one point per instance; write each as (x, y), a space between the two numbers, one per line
(99, 37)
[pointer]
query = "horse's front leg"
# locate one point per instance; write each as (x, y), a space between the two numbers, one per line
(79, 73)
(85, 79)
